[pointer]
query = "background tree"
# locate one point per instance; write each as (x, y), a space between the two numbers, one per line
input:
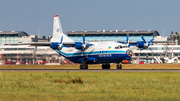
(178, 37)
(44, 37)
(171, 34)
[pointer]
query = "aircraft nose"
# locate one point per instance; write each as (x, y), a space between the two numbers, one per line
(129, 52)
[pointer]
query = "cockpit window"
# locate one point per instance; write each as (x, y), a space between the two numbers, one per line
(118, 47)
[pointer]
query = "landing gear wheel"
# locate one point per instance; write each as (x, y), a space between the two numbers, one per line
(119, 66)
(175, 61)
(106, 66)
(84, 66)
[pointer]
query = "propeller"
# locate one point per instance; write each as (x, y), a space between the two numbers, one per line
(61, 45)
(86, 58)
(84, 45)
(127, 40)
(146, 45)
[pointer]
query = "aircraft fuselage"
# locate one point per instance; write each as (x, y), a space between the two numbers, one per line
(100, 52)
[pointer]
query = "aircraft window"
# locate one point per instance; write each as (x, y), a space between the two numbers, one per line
(149, 54)
(102, 51)
(136, 54)
(142, 54)
(175, 54)
(119, 47)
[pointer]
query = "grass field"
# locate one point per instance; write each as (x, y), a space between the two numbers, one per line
(56, 86)
(98, 66)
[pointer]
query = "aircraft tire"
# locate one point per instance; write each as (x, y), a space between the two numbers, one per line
(119, 66)
(106, 66)
(85, 66)
(175, 61)
(103, 66)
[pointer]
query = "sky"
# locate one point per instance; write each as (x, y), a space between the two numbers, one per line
(92, 15)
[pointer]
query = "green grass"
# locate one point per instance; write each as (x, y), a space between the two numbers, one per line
(55, 86)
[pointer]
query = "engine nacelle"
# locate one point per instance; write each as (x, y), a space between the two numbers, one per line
(54, 45)
(80, 46)
(140, 44)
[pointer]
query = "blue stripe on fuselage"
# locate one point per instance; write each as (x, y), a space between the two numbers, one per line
(87, 53)
(106, 57)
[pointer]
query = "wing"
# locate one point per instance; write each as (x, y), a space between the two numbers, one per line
(77, 45)
(163, 42)
(42, 43)
(32, 43)
(135, 42)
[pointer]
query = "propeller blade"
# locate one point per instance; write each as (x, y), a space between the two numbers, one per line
(150, 41)
(142, 48)
(89, 45)
(85, 60)
(151, 50)
(127, 39)
(61, 40)
(143, 38)
(60, 44)
(83, 38)
(84, 46)
(60, 53)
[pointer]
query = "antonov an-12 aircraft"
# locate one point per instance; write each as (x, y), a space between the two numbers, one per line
(99, 52)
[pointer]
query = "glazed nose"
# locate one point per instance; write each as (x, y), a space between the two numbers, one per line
(129, 52)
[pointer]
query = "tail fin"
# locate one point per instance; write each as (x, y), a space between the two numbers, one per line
(58, 33)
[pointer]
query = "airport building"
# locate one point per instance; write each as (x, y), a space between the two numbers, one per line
(7, 37)
(31, 54)
(112, 35)
(26, 53)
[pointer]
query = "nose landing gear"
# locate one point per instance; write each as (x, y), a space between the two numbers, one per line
(119, 66)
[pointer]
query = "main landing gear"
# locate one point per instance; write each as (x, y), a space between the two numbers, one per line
(105, 66)
(84, 66)
(119, 66)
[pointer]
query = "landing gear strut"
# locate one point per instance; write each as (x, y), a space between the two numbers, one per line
(105, 66)
(84, 66)
(119, 66)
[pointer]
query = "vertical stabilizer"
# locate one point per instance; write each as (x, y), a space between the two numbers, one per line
(57, 31)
